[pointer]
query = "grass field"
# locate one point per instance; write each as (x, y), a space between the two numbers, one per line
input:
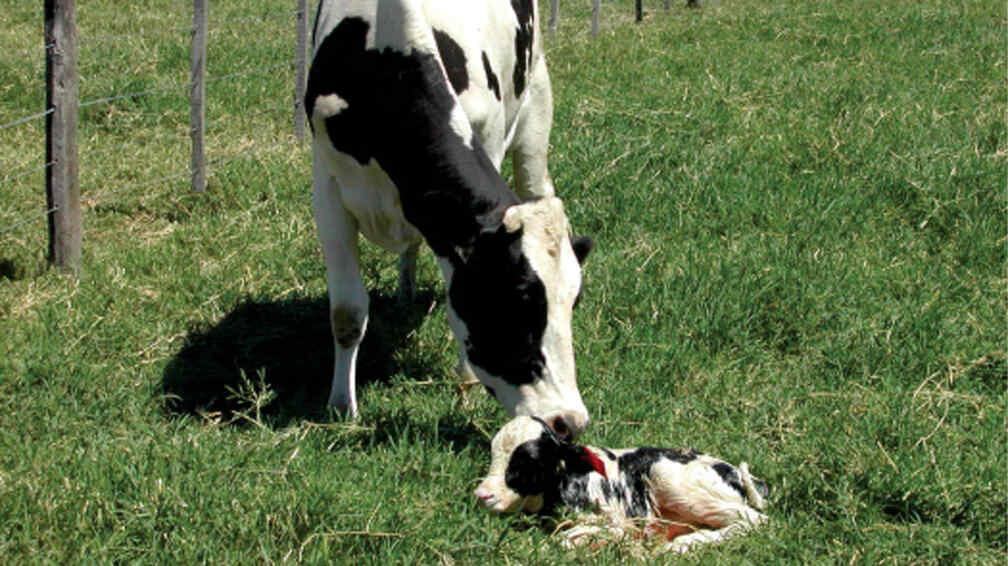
(800, 219)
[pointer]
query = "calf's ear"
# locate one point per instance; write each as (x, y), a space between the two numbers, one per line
(582, 247)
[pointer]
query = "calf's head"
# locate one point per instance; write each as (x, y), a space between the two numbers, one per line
(528, 463)
(511, 298)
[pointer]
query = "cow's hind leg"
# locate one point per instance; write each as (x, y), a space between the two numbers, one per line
(348, 299)
(531, 138)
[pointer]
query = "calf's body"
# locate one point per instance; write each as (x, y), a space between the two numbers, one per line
(686, 497)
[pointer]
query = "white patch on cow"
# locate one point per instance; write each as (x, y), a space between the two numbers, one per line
(328, 105)
(696, 493)
(402, 26)
(516, 109)
(459, 123)
(546, 246)
(368, 195)
(493, 490)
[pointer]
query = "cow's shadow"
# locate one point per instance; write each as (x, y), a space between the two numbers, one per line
(273, 359)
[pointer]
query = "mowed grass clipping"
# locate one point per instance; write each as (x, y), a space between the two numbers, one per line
(800, 219)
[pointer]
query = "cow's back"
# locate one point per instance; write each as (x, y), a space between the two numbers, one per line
(488, 49)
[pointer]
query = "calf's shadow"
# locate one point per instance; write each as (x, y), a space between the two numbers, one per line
(287, 347)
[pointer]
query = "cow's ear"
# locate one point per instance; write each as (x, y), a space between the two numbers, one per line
(582, 247)
(512, 220)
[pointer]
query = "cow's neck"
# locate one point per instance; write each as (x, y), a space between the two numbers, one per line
(450, 195)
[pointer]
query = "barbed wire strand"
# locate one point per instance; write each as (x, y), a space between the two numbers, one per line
(31, 169)
(250, 72)
(215, 127)
(31, 50)
(218, 23)
(26, 119)
(32, 218)
(96, 200)
(219, 160)
(173, 87)
(136, 94)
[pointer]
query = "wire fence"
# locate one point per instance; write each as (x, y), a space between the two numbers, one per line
(61, 50)
(62, 47)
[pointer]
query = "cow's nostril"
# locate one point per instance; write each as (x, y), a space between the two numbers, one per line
(561, 429)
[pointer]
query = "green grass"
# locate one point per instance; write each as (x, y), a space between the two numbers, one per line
(800, 217)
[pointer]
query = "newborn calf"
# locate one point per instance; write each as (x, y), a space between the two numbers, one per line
(688, 497)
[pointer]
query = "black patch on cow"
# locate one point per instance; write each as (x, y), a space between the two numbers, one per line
(583, 246)
(398, 113)
(635, 467)
(503, 304)
(492, 82)
(534, 467)
(731, 477)
(558, 472)
(524, 36)
(454, 61)
(550, 468)
(574, 492)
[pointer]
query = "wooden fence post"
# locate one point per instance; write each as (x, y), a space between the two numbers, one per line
(638, 11)
(554, 15)
(197, 96)
(62, 188)
(596, 8)
(300, 68)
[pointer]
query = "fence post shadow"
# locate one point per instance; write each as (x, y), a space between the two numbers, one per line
(288, 345)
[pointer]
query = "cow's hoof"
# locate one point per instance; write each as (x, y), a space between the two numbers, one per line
(343, 408)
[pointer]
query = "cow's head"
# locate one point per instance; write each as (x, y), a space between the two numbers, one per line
(511, 298)
(527, 465)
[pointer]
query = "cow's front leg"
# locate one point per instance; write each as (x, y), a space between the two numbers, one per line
(531, 140)
(407, 274)
(348, 299)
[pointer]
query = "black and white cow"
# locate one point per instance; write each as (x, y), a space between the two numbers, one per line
(686, 497)
(414, 104)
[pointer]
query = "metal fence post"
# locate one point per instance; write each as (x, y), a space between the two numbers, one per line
(638, 11)
(197, 96)
(554, 15)
(300, 68)
(62, 188)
